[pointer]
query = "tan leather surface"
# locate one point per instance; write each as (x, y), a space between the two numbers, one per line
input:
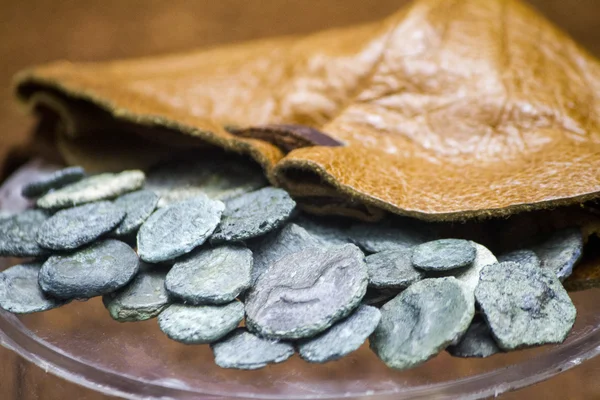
(446, 109)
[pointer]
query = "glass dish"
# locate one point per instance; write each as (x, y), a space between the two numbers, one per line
(81, 343)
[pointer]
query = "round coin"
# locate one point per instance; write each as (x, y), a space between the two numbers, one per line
(254, 214)
(422, 321)
(18, 234)
(477, 341)
(267, 250)
(177, 229)
(524, 305)
(392, 269)
(95, 188)
(98, 269)
(342, 338)
(561, 251)
(211, 276)
(138, 206)
(243, 350)
(200, 324)
(443, 255)
(378, 237)
(55, 180)
(522, 256)
(75, 227)
(143, 298)
(305, 293)
(20, 292)
(469, 277)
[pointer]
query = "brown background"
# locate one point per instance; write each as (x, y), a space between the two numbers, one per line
(36, 31)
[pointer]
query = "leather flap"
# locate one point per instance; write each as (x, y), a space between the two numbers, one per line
(446, 110)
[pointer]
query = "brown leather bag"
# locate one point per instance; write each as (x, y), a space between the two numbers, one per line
(445, 110)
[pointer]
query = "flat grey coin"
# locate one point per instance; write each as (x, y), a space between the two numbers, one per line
(328, 231)
(219, 178)
(56, 180)
(143, 298)
(138, 206)
(200, 324)
(524, 305)
(378, 237)
(211, 276)
(469, 277)
(477, 342)
(422, 321)
(276, 245)
(243, 350)
(342, 338)
(179, 228)
(18, 234)
(254, 214)
(20, 292)
(561, 251)
(443, 255)
(101, 268)
(392, 269)
(75, 227)
(523, 256)
(306, 292)
(94, 188)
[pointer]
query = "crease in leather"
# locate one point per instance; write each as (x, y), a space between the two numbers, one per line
(446, 110)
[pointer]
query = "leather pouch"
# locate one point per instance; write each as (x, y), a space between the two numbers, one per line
(446, 110)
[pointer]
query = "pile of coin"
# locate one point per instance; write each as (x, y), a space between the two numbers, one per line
(221, 258)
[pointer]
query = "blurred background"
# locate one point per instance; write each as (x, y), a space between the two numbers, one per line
(37, 31)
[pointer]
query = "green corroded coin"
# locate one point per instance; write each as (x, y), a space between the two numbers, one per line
(243, 350)
(561, 251)
(392, 269)
(143, 298)
(328, 231)
(524, 305)
(220, 179)
(20, 292)
(443, 255)
(477, 342)
(200, 324)
(18, 234)
(521, 257)
(56, 180)
(99, 269)
(377, 237)
(95, 188)
(177, 229)
(254, 214)
(274, 246)
(211, 276)
(75, 227)
(138, 206)
(342, 338)
(306, 292)
(422, 321)
(469, 277)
